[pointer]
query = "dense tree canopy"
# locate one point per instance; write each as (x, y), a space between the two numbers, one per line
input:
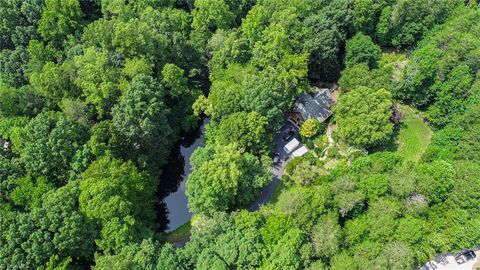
(363, 115)
(361, 49)
(224, 176)
(98, 99)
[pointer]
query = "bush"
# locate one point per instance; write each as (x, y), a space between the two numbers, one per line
(310, 144)
(292, 164)
(319, 151)
(332, 152)
(310, 128)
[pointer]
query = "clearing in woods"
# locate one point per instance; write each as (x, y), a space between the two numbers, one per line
(414, 134)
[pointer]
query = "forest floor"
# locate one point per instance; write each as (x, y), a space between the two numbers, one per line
(414, 135)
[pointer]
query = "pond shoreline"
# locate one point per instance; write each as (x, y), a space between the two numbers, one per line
(176, 201)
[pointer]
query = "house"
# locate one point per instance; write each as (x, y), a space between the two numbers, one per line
(316, 105)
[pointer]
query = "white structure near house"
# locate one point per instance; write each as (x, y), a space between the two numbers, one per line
(300, 151)
(291, 145)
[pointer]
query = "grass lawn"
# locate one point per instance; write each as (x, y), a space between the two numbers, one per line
(180, 233)
(414, 135)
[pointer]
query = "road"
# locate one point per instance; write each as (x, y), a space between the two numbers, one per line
(277, 169)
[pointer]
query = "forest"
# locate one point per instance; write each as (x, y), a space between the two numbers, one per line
(96, 94)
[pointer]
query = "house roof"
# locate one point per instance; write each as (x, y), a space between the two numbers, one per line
(316, 105)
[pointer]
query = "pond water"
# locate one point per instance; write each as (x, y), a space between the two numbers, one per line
(175, 174)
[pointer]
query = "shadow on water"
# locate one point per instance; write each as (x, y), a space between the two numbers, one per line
(173, 204)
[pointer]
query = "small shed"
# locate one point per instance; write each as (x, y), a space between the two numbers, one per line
(291, 145)
(300, 151)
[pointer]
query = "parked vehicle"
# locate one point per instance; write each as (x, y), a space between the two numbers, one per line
(276, 157)
(465, 256)
(290, 134)
(291, 145)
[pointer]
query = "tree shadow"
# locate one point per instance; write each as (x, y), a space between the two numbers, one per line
(391, 145)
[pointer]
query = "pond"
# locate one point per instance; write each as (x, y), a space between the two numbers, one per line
(175, 177)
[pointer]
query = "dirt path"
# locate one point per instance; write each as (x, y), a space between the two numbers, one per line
(331, 142)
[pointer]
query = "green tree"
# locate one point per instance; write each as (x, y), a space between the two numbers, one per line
(52, 83)
(361, 49)
(224, 177)
(403, 181)
(374, 186)
(310, 128)
(23, 101)
(117, 197)
(360, 75)
(248, 130)
(54, 229)
(47, 144)
(328, 29)
(14, 66)
(407, 21)
(366, 14)
(140, 121)
(305, 205)
(410, 230)
(98, 79)
(28, 192)
(435, 180)
(181, 97)
(449, 96)
(18, 22)
(286, 253)
(383, 217)
(208, 16)
(363, 116)
(326, 236)
(170, 259)
(343, 261)
(59, 19)
(304, 173)
(142, 255)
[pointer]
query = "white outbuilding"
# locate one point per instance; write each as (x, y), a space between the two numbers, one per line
(291, 145)
(300, 151)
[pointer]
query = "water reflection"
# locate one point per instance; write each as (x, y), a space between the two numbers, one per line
(174, 179)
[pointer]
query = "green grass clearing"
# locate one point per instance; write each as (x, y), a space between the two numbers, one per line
(180, 233)
(414, 135)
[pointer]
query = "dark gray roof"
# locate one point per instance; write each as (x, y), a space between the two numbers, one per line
(316, 105)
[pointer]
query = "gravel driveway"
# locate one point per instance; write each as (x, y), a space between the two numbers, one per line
(277, 169)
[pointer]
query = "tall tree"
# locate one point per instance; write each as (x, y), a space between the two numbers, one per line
(59, 19)
(47, 144)
(140, 122)
(363, 116)
(224, 177)
(119, 198)
(361, 49)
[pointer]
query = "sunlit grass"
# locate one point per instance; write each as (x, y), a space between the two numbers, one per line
(180, 233)
(414, 135)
